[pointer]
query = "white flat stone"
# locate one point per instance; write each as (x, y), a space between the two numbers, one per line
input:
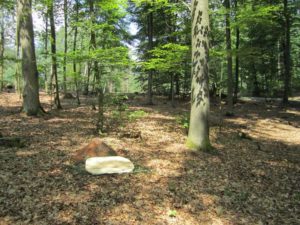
(108, 165)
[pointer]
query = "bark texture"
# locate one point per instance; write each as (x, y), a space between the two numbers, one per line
(198, 138)
(31, 102)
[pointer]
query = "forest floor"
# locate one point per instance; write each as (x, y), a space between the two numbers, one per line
(253, 178)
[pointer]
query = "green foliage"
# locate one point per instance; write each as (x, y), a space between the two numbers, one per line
(136, 115)
(183, 120)
(167, 58)
(172, 213)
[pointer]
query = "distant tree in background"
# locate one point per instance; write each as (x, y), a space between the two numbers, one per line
(92, 52)
(228, 56)
(2, 44)
(54, 74)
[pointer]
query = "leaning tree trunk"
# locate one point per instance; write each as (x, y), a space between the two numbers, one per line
(229, 58)
(198, 138)
(31, 102)
(53, 52)
(286, 53)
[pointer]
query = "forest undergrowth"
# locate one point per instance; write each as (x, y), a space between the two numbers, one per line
(252, 178)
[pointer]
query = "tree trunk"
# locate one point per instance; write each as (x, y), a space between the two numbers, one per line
(99, 88)
(53, 52)
(46, 53)
(150, 46)
(87, 75)
(286, 53)
(74, 49)
(2, 44)
(65, 46)
(31, 102)
(237, 60)
(18, 66)
(198, 137)
(229, 58)
(172, 90)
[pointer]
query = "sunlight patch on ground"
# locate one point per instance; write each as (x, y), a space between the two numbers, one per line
(69, 197)
(65, 216)
(164, 168)
(26, 153)
(270, 129)
(294, 111)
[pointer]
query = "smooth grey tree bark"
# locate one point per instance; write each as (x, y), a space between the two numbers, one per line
(198, 137)
(31, 102)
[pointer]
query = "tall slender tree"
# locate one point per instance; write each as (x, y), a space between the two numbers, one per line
(2, 44)
(286, 52)
(150, 47)
(46, 51)
(53, 52)
(198, 137)
(65, 46)
(229, 57)
(74, 49)
(237, 59)
(31, 102)
(99, 89)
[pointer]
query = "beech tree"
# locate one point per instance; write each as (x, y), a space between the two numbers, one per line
(198, 137)
(31, 102)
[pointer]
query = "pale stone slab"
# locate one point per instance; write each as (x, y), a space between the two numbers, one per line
(108, 165)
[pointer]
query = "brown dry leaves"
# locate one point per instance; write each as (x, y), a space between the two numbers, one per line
(248, 182)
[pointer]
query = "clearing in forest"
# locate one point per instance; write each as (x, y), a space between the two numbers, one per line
(254, 177)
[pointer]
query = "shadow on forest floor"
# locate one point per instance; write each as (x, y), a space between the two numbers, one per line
(253, 180)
